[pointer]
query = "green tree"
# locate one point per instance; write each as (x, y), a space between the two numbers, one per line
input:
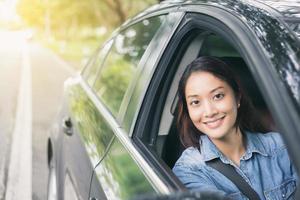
(66, 16)
(32, 12)
(124, 9)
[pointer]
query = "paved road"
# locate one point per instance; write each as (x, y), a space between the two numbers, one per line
(31, 84)
(10, 61)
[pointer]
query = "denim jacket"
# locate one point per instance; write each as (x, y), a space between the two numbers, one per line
(265, 166)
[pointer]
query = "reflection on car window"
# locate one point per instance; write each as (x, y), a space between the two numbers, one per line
(90, 71)
(121, 64)
(92, 127)
(120, 176)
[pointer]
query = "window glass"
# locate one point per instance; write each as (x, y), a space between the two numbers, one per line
(93, 66)
(121, 64)
(120, 176)
(161, 40)
(93, 129)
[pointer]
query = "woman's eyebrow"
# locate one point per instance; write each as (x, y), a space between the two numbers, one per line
(213, 90)
(191, 96)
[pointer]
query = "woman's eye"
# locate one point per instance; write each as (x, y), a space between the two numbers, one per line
(195, 102)
(219, 96)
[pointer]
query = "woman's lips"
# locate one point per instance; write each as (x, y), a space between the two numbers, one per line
(212, 124)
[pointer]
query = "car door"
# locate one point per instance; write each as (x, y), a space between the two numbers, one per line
(86, 135)
(117, 174)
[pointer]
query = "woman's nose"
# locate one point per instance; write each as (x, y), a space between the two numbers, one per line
(209, 109)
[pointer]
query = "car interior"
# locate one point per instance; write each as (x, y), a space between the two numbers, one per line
(168, 146)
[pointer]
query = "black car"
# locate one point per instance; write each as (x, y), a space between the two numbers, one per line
(116, 135)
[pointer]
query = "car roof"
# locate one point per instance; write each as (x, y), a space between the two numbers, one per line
(287, 10)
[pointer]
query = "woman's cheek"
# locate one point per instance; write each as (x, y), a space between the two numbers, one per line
(195, 114)
(228, 105)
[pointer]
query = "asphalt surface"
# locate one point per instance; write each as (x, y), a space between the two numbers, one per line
(48, 73)
(10, 61)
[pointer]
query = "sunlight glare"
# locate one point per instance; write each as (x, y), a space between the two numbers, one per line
(8, 10)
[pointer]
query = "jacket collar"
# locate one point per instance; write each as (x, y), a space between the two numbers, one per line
(210, 151)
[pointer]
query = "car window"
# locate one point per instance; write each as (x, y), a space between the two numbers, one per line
(91, 70)
(160, 133)
(170, 147)
(154, 53)
(121, 64)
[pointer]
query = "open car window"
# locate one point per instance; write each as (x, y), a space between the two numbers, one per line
(169, 147)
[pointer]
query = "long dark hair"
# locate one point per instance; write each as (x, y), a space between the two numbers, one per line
(247, 117)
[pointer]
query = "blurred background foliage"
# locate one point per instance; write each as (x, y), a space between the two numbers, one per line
(75, 28)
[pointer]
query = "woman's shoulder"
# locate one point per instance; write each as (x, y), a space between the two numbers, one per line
(273, 138)
(190, 158)
(272, 141)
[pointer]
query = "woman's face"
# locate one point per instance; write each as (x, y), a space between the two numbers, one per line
(212, 105)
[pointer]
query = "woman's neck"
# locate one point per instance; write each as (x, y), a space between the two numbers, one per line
(232, 146)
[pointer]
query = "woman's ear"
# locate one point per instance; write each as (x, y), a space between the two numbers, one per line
(239, 100)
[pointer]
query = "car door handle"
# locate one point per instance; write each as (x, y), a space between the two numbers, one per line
(93, 198)
(67, 126)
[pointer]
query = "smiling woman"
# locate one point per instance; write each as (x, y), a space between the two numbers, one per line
(211, 104)
(217, 121)
(220, 99)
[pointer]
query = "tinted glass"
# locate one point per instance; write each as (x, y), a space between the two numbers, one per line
(93, 66)
(216, 46)
(91, 126)
(121, 64)
(119, 175)
(155, 50)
